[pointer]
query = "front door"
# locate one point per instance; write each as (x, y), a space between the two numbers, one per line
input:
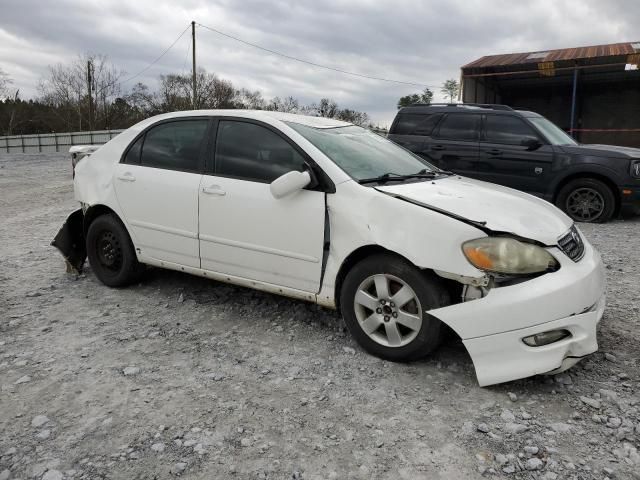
(244, 230)
(506, 161)
(157, 189)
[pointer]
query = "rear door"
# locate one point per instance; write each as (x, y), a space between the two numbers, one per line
(506, 161)
(244, 230)
(157, 188)
(454, 143)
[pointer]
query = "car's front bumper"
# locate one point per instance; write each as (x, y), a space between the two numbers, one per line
(492, 327)
(630, 199)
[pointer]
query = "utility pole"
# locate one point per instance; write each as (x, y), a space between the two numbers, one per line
(89, 82)
(193, 74)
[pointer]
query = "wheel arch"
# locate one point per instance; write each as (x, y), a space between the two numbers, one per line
(94, 211)
(593, 175)
(366, 251)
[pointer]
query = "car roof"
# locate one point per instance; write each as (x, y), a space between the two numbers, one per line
(264, 115)
(465, 108)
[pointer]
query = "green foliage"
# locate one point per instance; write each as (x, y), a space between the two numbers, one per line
(425, 97)
(450, 88)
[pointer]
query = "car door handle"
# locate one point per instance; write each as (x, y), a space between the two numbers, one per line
(127, 177)
(438, 147)
(494, 151)
(213, 190)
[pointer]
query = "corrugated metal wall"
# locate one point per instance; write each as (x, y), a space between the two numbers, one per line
(54, 142)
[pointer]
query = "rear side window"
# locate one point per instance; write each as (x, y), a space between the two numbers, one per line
(133, 154)
(174, 145)
(507, 130)
(252, 152)
(458, 126)
(416, 124)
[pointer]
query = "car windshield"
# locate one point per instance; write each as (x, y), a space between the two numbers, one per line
(553, 134)
(361, 153)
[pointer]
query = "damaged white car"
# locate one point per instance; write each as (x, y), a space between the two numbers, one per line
(328, 212)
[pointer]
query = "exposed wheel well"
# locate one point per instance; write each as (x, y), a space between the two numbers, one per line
(368, 250)
(596, 176)
(94, 212)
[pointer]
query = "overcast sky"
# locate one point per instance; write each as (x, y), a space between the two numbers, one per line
(417, 41)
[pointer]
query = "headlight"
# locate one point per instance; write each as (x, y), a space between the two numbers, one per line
(507, 255)
(634, 170)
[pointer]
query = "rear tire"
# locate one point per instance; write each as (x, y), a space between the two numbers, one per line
(111, 253)
(587, 200)
(383, 302)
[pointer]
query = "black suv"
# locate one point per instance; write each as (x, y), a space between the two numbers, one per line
(523, 150)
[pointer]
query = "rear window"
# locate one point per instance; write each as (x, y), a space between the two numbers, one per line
(416, 124)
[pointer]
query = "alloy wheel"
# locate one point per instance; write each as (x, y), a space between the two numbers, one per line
(388, 310)
(585, 204)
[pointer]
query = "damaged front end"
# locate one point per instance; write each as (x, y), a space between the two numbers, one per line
(71, 243)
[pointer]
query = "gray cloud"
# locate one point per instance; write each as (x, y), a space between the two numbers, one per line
(419, 41)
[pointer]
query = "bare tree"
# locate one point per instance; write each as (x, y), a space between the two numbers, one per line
(66, 88)
(251, 100)
(450, 88)
(288, 105)
(5, 83)
(353, 116)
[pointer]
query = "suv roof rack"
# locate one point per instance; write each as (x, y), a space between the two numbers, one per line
(491, 106)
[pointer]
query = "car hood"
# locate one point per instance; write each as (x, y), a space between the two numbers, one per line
(488, 206)
(610, 151)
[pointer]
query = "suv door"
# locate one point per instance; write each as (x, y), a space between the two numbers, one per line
(244, 230)
(454, 144)
(506, 160)
(156, 185)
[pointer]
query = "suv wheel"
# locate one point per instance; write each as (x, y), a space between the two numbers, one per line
(111, 253)
(384, 300)
(587, 200)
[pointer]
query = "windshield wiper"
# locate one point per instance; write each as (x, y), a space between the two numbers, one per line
(393, 177)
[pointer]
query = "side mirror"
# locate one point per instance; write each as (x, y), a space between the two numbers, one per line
(289, 183)
(531, 143)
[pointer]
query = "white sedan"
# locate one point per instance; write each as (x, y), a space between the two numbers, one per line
(324, 211)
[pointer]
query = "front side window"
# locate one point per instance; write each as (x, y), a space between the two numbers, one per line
(553, 133)
(174, 145)
(362, 153)
(416, 124)
(252, 152)
(507, 130)
(458, 126)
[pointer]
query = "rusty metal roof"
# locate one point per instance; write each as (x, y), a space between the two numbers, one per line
(596, 51)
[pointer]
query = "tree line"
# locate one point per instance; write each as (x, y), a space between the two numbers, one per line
(88, 94)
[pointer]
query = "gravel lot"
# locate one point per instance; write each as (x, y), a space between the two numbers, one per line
(182, 376)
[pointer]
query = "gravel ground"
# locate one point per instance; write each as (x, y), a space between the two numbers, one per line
(182, 376)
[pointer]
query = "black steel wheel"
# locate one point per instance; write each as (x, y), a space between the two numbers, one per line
(587, 200)
(111, 253)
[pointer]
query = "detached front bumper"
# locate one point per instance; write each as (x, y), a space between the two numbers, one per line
(492, 328)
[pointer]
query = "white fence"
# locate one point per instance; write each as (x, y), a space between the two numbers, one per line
(54, 142)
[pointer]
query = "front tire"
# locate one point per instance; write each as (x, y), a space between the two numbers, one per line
(110, 252)
(587, 200)
(383, 302)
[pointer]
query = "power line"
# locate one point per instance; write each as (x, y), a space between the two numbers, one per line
(284, 55)
(157, 59)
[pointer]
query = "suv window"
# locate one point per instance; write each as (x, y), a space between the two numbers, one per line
(416, 124)
(174, 145)
(251, 152)
(459, 126)
(507, 130)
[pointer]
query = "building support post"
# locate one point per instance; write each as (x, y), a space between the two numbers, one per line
(572, 124)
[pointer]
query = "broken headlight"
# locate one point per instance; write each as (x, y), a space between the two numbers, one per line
(508, 255)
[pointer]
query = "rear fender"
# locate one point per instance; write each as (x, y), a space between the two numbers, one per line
(71, 243)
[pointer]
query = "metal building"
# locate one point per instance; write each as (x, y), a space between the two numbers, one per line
(591, 92)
